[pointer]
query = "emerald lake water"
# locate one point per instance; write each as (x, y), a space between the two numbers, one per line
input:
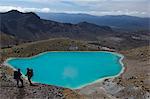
(69, 69)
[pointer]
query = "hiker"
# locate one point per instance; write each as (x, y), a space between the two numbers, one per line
(29, 74)
(17, 77)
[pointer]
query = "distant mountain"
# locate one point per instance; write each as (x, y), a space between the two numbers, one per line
(120, 22)
(17, 28)
(29, 26)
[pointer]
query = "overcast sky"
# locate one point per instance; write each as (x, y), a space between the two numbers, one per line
(94, 7)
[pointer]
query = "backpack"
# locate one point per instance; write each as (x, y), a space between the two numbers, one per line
(15, 74)
(31, 72)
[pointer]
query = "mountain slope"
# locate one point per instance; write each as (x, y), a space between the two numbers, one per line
(7, 40)
(21, 27)
(29, 26)
(122, 22)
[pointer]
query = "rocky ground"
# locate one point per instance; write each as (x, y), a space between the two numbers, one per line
(134, 83)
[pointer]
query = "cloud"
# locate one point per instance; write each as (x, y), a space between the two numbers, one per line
(82, 0)
(94, 7)
(47, 10)
(101, 13)
(23, 9)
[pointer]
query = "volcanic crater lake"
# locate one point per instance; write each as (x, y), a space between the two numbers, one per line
(69, 69)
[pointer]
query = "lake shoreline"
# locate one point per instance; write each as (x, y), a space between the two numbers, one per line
(135, 63)
(82, 86)
(109, 77)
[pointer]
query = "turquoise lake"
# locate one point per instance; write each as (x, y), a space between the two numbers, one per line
(69, 69)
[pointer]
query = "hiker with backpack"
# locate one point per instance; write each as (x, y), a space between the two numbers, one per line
(17, 77)
(29, 74)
